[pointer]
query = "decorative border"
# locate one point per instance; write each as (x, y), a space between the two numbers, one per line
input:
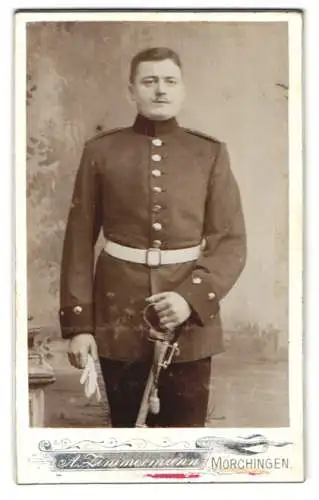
(248, 445)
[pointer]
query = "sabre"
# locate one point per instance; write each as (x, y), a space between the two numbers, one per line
(165, 348)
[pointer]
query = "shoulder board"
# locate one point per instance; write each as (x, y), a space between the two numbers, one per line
(203, 136)
(104, 133)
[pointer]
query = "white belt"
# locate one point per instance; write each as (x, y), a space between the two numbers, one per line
(152, 257)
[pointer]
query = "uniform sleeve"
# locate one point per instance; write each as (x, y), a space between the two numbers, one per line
(224, 256)
(77, 267)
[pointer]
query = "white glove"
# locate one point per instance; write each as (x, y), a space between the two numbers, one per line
(89, 379)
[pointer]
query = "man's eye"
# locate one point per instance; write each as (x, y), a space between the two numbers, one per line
(148, 82)
(171, 81)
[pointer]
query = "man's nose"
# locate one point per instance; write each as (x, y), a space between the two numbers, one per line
(160, 88)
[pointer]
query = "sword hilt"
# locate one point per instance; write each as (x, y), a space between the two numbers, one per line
(165, 348)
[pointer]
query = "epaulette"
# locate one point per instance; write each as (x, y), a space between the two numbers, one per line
(201, 134)
(103, 133)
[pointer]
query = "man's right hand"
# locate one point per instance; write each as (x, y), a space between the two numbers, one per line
(79, 347)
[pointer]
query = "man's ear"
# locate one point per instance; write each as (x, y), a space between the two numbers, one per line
(131, 92)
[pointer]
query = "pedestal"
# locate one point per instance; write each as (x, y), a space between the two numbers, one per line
(40, 376)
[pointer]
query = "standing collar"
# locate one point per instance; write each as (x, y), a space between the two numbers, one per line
(153, 128)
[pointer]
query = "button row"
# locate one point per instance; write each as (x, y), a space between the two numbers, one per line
(157, 226)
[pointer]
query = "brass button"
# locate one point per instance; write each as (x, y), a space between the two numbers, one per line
(61, 313)
(156, 157)
(156, 244)
(197, 280)
(157, 226)
(157, 189)
(157, 142)
(211, 296)
(156, 173)
(77, 309)
(156, 208)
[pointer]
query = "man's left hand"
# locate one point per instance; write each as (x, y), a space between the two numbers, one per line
(171, 307)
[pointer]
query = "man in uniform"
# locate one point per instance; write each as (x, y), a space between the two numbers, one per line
(171, 215)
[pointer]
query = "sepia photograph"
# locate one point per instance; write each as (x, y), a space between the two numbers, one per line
(157, 166)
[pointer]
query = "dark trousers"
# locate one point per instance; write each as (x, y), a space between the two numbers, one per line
(183, 391)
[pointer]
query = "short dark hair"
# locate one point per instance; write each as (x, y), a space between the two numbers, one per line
(153, 54)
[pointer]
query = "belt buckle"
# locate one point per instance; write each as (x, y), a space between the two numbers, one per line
(153, 257)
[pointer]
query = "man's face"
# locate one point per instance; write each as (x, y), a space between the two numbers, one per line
(158, 89)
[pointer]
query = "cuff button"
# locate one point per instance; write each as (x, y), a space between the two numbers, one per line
(211, 296)
(197, 280)
(77, 309)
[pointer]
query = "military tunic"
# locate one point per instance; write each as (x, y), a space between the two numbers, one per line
(151, 185)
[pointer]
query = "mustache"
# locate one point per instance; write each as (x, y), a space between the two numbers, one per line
(161, 100)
